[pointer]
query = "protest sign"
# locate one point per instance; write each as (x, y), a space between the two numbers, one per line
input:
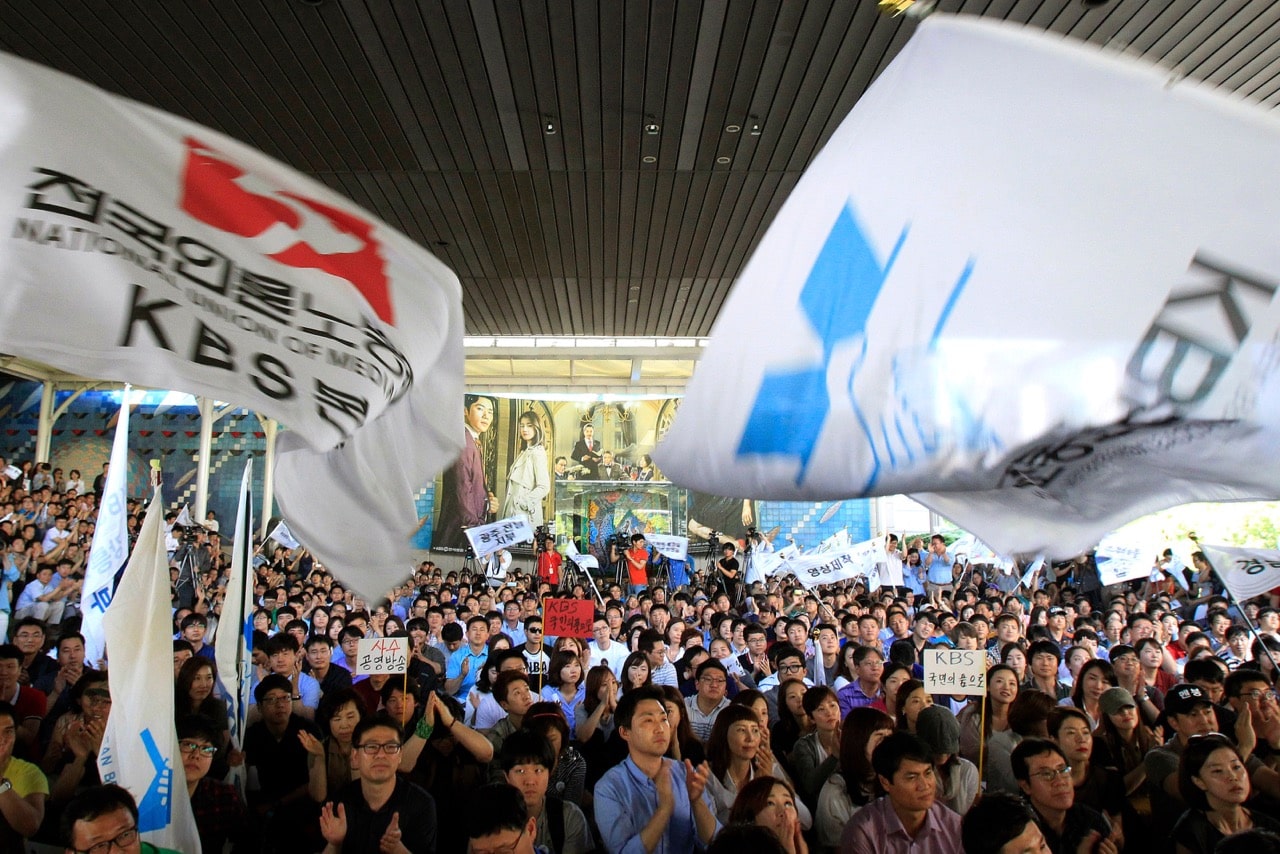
(955, 671)
(673, 547)
(570, 618)
(487, 539)
(1120, 561)
(382, 655)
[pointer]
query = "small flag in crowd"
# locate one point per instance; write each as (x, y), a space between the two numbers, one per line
(1039, 425)
(233, 640)
(282, 535)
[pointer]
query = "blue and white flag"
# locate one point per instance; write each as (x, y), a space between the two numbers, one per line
(233, 640)
(1029, 576)
(110, 546)
(674, 547)
(282, 535)
(140, 747)
(1042, 338)
(579, 559)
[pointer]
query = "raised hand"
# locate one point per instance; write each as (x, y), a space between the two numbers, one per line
(390, 841)
(310, 743)
(333, 824)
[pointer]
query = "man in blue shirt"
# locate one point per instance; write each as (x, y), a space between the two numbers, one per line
(649, 803)
(938, 568)
(467, 661)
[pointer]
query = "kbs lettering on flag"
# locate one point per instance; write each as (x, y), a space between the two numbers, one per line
(382, 655)
(190, 296)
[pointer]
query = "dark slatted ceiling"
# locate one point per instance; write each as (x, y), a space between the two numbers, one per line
(432, 114)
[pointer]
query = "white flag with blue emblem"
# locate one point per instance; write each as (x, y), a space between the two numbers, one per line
(1026, 278)
(110, 546)
(140, 746)
(233, 641)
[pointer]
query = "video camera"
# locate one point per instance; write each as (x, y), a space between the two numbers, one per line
(543, 534)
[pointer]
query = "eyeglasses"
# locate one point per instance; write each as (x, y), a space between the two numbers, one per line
(391, 748)
(194, 747)
(709, 681)
(1050, 774)
(1258, 694)
(533, 631)
(277, 700)
(509, 848)
(123, 841)
(790, 668)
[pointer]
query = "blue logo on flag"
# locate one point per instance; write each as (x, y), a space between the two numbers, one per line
(156, 803)
(792, 406)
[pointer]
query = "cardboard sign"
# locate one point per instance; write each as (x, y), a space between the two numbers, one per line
(955, 671)
(382, 655)
(570, 618)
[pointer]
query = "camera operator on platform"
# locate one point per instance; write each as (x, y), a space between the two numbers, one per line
(549, 560)
(637, 558)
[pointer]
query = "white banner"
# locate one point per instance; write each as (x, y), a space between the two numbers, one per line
(233, 637)
(1038, 424)
(140, 747)
(815, 569)
(1029, 576)
(282, 535)
(1122, 560)
(676, 548)
(487, 539)
(183, 259)
(1245, 572)
(109, 548)
(382, 655)
(955, 671)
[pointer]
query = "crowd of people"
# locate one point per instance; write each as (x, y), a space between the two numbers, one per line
(743, 716)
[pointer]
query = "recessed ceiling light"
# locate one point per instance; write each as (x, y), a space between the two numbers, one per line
(649, 158)
(724, 159)
(732, 129)
(549, 126)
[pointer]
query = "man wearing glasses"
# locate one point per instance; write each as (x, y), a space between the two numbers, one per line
(104, 820)
(277, 764)
(705, 706)
(1042, 772)
(378, 811)
(498, 822)
(788, 663)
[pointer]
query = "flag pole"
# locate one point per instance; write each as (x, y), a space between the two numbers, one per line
(1231, 597)
(982, 736)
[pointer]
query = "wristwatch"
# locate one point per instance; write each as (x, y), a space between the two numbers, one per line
(296, 697)
(5, 785)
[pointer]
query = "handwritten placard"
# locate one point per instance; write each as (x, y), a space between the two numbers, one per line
(568, 618)
(955, 671)
(382, 655)
(487, 539)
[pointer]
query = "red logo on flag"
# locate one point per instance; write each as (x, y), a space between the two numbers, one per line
(308, 233)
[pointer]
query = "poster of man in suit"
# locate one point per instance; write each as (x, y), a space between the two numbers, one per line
(466, 497)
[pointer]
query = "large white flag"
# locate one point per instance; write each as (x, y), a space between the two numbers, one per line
(233, 641)
(184, 259)
(1245, 572)
(110, 546)
(140, 747)
(1026, 277)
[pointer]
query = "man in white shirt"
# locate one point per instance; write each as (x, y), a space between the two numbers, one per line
(606, 650)
(661, 671)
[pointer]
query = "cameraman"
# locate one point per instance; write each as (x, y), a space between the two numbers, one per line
(549, 560)
(192, 558)
(637, 558)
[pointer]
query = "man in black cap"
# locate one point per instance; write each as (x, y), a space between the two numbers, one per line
(1188, 712)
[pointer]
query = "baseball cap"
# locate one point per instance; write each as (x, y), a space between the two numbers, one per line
(1184, 698)
(1057, 611)
(1115, 699)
